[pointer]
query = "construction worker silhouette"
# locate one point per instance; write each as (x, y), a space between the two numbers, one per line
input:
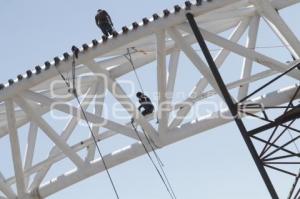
(104, 22)
(146, 104)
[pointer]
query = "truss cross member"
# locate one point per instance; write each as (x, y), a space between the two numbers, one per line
(231, 105)
(33, 195)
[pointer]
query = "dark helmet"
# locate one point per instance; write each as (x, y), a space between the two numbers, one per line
(99, 10)
(139, 94)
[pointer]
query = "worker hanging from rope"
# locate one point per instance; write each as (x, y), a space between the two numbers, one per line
(146, 104)
(104, 22)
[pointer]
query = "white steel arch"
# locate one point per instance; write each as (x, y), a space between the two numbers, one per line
(26, 99)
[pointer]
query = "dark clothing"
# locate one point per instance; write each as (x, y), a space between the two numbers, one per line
(103, 17)
(148, 110)
(146, 104)
(106, 29)
(104, 22)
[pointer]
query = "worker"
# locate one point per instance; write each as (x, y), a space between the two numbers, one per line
(146, 104)
(104, 22)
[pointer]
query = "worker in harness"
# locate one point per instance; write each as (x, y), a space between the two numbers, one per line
(104, 22)
(146, 104)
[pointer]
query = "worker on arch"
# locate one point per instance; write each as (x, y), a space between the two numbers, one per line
(104, 22)
(146, 104)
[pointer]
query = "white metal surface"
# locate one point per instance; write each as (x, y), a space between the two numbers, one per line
(26, 101)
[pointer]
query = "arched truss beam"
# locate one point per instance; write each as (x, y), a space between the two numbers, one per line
(27, 101)
(172, 136)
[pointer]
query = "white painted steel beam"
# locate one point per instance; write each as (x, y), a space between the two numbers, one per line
(279, 27)
(113, 44)
(174, 135)
(5, 188)
(98, 108)
(65, 135)
(161, 81)
(247, 65)
(193, 56)
(33, 95)
(249, 53)
(50, 132)
(15, 149)
(203, 83)
(115, 88)
(30, 149)
(89, 142)
(68, 109)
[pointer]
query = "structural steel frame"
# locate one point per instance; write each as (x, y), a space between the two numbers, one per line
(24, 101)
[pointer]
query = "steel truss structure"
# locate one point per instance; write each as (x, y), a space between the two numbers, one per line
(29, 98)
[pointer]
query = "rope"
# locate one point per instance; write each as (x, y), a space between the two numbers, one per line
(162, 176)
(134, 69)
(63, 78)
(74, 92)
(129, 58)
(153, 146)
(97, 146)
(161, 165)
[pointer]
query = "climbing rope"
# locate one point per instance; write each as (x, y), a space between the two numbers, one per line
(66, 81)
(160, 163)
(97, 146)
(153, 146)
(74, 92)
(163, 176)
(129, 58)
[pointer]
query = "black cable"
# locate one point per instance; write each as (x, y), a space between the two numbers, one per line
(63, 77)
(141, 87)
(172, 195)
(97, 146)
(134, 69)
(74, 92)
(153, 147)
(160, 163)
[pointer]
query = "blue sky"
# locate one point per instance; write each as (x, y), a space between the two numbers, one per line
(215, 164)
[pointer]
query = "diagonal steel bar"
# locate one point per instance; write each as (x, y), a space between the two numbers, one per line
(231, 105)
